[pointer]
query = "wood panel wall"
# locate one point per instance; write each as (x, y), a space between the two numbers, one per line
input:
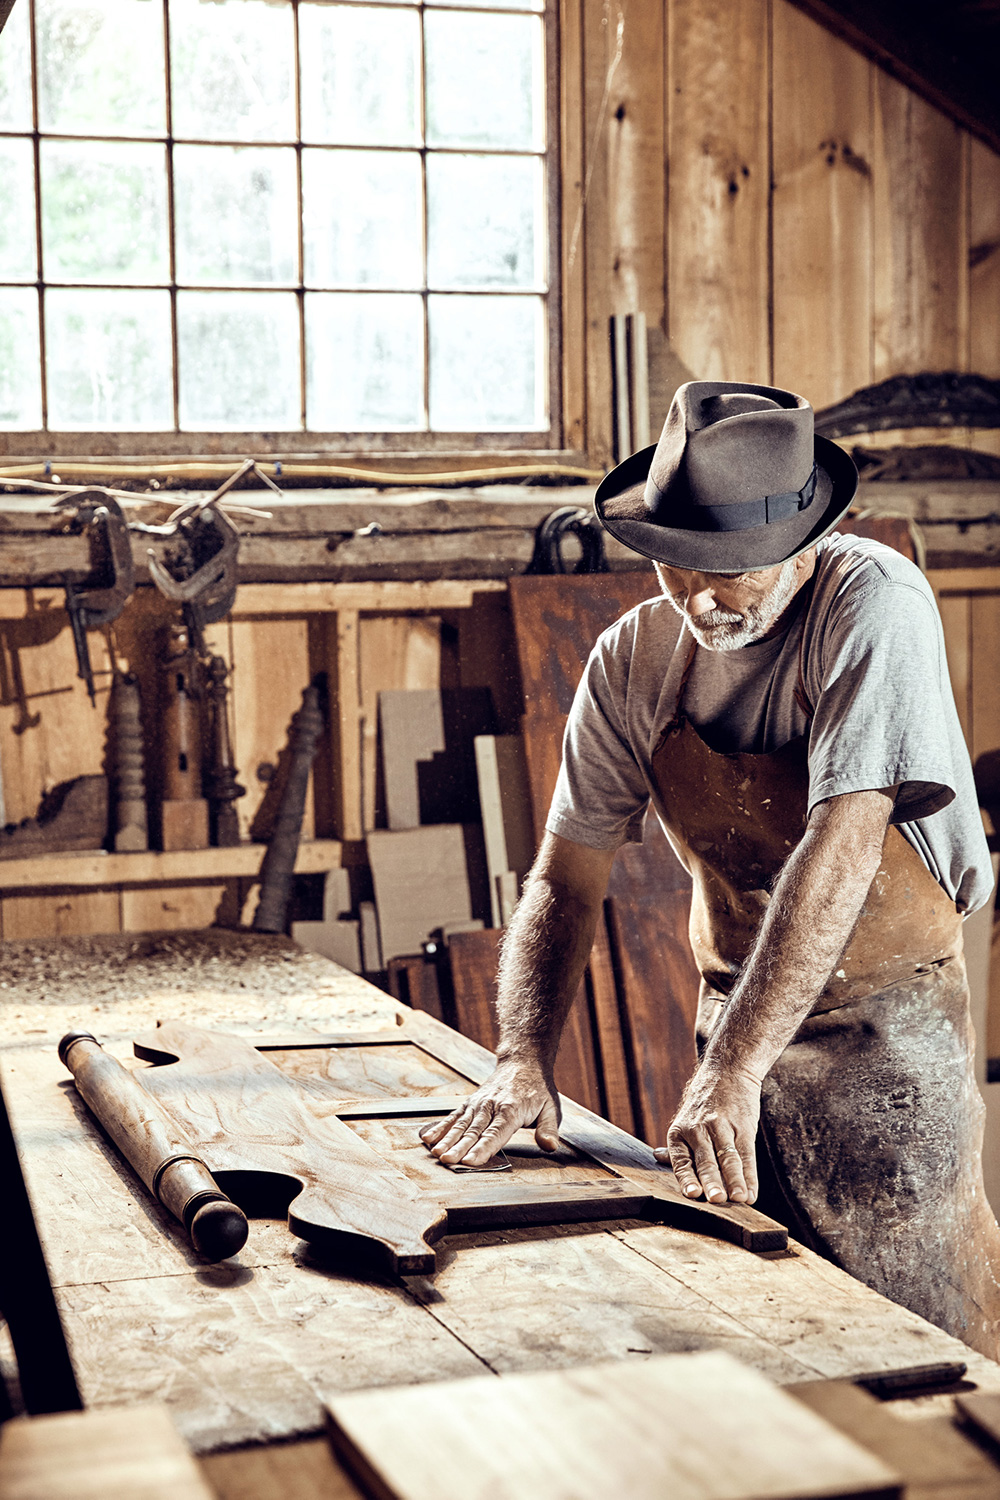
(782, 209)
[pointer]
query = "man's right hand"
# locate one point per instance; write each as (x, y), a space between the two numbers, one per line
(517, 1094)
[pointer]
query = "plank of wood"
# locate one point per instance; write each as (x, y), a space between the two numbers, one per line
(932, 1456)
(556, 622)
(422, 881)
(611, 1147)
(338, 941)
(306, 1469)
(153, 867)
(413, 981)
(636, 154)
(171, 908)
(49, 732)
(344, 695)
(956, 621)
(240, 1353)
(691, 1424)
(648, 909)
(60, 914)
(261, 599)
(964, 580)
(980, 1412)
(717, 215)
(920, 236)
(473, 958)
(984, 272)
(616, 1089)
(428, 760)
(821, 209)
(504, 801)
(394, 652)
(985, 701)
(134, 1453)
(270, 671)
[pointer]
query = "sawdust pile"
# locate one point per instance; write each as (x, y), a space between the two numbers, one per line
(112, 985)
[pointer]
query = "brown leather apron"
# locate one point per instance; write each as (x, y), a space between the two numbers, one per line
(871, 1117)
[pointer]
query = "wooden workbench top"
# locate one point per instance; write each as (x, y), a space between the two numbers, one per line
(246, 1350)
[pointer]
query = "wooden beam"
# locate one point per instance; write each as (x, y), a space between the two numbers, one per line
(66, 871)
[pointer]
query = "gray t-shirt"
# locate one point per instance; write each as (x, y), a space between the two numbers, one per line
(874, 671)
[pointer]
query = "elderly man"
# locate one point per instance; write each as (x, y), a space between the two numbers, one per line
(785, 708)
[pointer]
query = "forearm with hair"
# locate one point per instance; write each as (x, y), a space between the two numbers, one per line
(813, 911)
(541, 964)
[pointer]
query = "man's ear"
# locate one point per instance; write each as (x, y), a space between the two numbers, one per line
(805, 560)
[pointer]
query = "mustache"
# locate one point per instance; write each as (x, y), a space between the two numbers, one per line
(711, 620)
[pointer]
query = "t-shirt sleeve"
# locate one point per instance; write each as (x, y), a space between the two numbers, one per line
(601, 795)
(884, 707)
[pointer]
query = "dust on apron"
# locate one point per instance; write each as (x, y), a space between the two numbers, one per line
(871, 1118)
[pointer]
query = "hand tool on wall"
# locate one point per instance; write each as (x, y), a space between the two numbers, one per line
(278, 864)
(146, 1135)
(99, 514)
(220, 784)
(202, 574)
(184, 811)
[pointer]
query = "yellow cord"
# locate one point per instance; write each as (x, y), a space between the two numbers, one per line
(216, 470)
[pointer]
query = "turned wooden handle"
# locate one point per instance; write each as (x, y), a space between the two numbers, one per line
(149, 1139)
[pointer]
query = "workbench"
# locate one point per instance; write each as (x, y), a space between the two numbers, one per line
(243, 1352)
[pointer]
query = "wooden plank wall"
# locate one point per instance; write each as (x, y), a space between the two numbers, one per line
(783, 209)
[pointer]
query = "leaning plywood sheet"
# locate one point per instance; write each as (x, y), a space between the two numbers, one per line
(691, 1426)
(328, 1127)
(424, 878)
(132, 1453)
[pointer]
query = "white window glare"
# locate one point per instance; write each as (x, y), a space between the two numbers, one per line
(275, 216)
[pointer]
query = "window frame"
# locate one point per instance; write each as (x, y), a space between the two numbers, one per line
(462, 450)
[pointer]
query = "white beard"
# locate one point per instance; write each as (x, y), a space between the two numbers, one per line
(724, 629)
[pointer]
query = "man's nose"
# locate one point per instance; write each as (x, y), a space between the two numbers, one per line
(699, 599)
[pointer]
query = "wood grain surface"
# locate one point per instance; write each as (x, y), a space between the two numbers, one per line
(685, 1425)
(369, 1191)
(243, 1353)
(131, 1454)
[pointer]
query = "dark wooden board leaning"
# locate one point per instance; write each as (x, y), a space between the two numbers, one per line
(327, 1128)
(641, 949)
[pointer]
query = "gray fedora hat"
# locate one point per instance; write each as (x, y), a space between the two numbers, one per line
(738, 481)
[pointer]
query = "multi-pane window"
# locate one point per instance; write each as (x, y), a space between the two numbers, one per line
(269, 215)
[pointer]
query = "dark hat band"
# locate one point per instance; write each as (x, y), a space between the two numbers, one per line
(742, 515)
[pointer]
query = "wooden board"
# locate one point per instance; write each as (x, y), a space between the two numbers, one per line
(920, 242)
(472, 961)
(932, 1455)
(241, 1352)
(556, 622)
(428, 761)
(505, 804)
(821, 210)
(270, 671)
(134, 1453)
(717, 215)
(367, 1193)
(688, 1425)
(424, 878)
(647, 911)
(647, 908)
(394, 652)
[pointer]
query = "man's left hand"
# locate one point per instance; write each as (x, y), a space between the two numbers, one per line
(710, 1144)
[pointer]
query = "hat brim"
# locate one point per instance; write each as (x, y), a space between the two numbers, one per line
(730, 551)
